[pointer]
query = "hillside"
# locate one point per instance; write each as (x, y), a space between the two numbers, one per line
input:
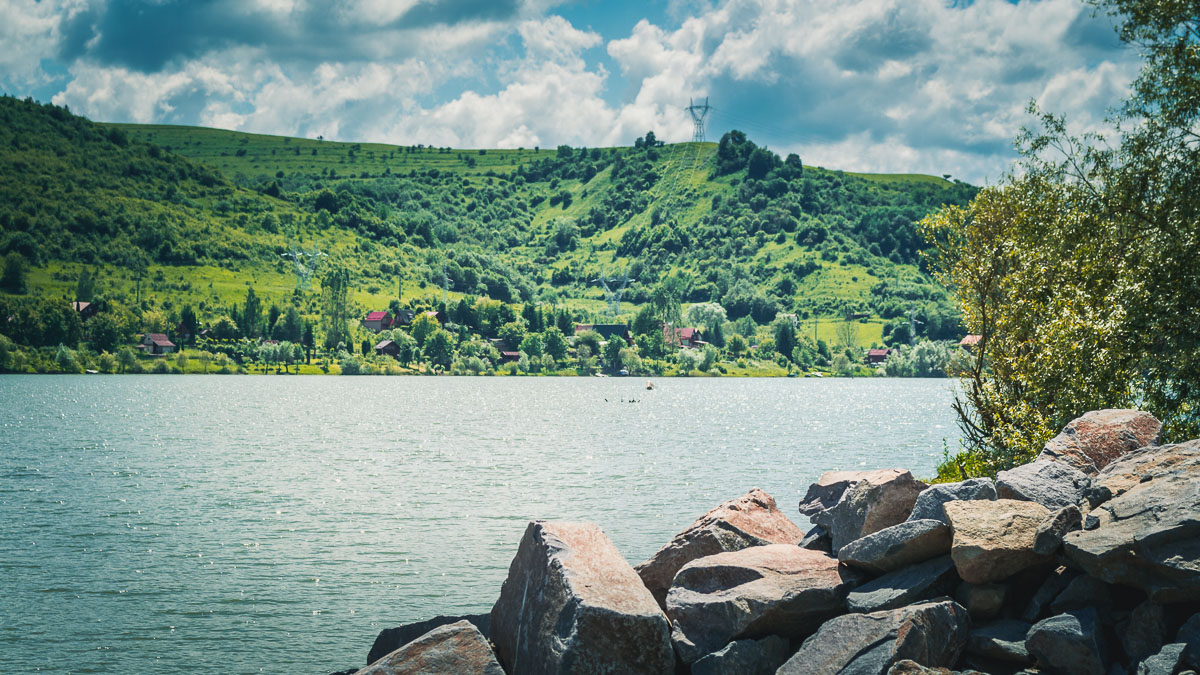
(199, 214)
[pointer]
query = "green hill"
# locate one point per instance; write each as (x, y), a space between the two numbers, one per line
(170, 215)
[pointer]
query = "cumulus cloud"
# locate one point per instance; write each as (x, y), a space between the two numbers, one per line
(885, 85)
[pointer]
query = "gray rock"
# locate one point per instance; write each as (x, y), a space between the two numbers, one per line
(870, 505)
(572, 604)
(830, 487)
(745, 657)
(453, 648)
(1148, 536)
(1069, 643)
(1144, 633)
(1050, 533)
(1054, 584)
(762, 590)
(994, 540)
(391, 639)
(909, 667)
(1082, 592)
(1165, 662)
(1049, 483)
(933, 634)
(894, 547)
(929, 502)
(1189, 634)
(1002, 641)
(983, 601)
(749, 520)
(817, 539)
(905, 586)
(1096, 439)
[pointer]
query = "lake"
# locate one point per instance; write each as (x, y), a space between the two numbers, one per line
(244, 524)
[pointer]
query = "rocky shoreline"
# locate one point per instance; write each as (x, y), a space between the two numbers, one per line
(1085, 561)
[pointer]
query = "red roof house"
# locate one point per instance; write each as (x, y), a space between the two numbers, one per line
(877, 356)
(690, 338)
(970, 341)
(157, 343)
(377, 321)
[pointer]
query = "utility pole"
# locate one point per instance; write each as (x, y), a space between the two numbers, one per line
(698, 112)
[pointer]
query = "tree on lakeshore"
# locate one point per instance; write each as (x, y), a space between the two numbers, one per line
(127, 358)
(251, 314)
(439, 349)
(1080, 273)
(422, 327)
(335, 290)
(554, 344)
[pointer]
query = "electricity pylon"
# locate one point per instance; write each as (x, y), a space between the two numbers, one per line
(698, 112)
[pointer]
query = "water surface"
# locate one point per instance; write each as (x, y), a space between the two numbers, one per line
(276, 524)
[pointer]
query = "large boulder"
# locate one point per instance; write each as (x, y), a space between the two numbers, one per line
(572, 604)
(1148, 535)
(879, 500)
(452, 648)
(763, 590)
(932, 634)
(905, 586)
(929, 502)
(1165, 662)
(1071, 643)
(750, 520)
(1049, 483)
(1189, 634)
(830, 487)
(1050, 533)
(391, 639)
(1144, 632)
(745, 657)
(983, 601)
(994, 540)
(897, 546)
(1091, 442)
(1001, 641)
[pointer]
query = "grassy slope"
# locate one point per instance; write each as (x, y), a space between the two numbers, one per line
(685, 189)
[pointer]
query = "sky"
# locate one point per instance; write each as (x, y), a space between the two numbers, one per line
(927, 86)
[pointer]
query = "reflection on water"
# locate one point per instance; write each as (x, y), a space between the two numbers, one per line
(227, 524)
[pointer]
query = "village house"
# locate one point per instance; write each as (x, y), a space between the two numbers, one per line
(970, 341)
(388, 347)
(157, 343)
(403, 318)
(878, 356)
(377, 321)
(84, 309)
(688, 338)
(607, 331)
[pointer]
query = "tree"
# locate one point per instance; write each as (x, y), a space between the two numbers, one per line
(65, 358)
(422, 327)
(785, 337)
(127, 358)
(590, 339)
(290, 327)
(554, 344)
(532, 345)
(225, 329)
(612, 353)
(847, 334)
(105, 332)
(1079, 273)
(335, 289)
(646, 322)
(205, 358)
(188, 320)
(439, 349)
(12, 279)
(513, 334)
(181, 360)
(706, 315)
(736, 345)
(85, 288)
(251, 318)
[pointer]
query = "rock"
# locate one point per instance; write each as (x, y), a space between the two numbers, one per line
(983, 601)
(897, 546)
(1143, 634)
(1091, 442)
(830, 487)
(572, 604)
(1001, 641)
(1054, 584)
(1083, 592)
(1146, 464)
(453, 648)
(880, 500)
(929, 502)
(817, 539)
(1165, 662)
(1050, 533)
(776, 589)
(1069, 643)
(1049, 483)
(391, 639)
(1189, 634)
(745, 657)
(932, 634)
(1148, 535)
(907, 667)
(905, 586)
(994, 540)
(749, 520)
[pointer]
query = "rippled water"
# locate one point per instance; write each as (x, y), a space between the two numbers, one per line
(246, 524)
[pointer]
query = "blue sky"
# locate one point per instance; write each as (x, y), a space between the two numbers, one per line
(872, 85)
